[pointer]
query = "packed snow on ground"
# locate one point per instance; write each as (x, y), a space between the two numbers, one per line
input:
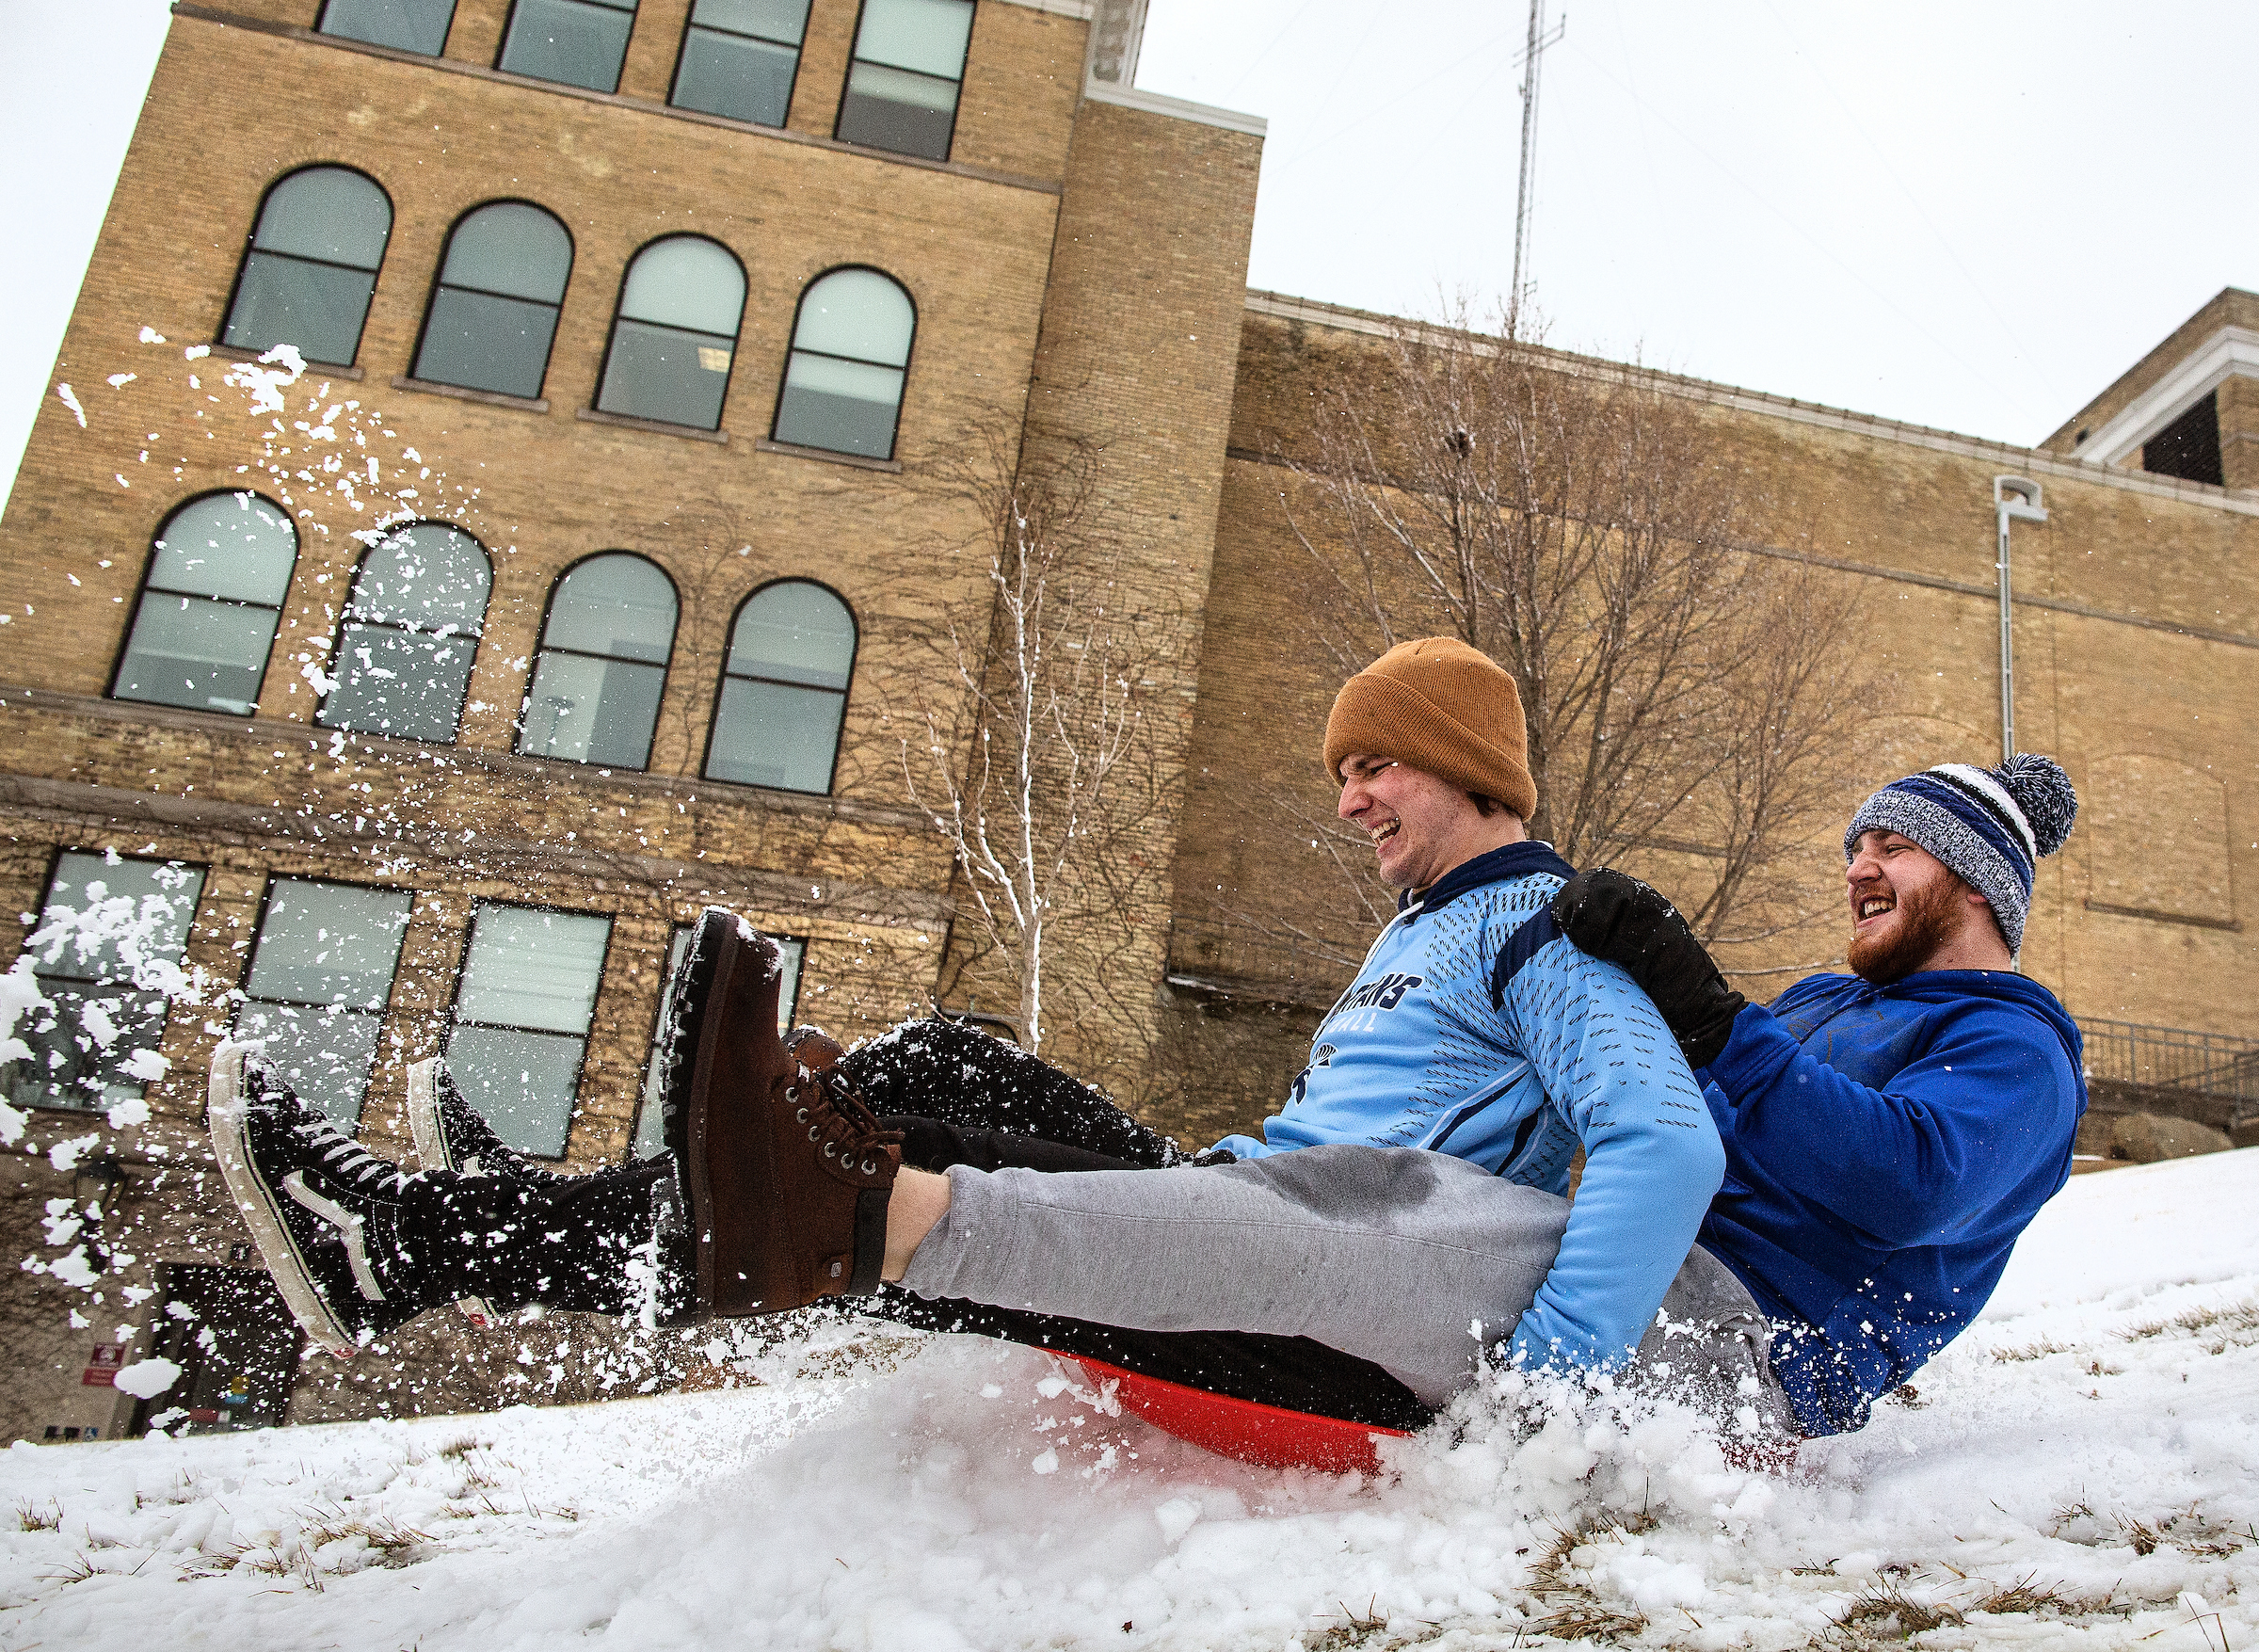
(2078, 1470)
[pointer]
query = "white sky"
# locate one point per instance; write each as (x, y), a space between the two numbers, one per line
(1970, 215)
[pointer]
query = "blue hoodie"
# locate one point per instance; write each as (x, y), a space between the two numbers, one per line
(1884, 1147)
(1422, 1052)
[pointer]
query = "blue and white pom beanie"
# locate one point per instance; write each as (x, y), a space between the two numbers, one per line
(1990, 826)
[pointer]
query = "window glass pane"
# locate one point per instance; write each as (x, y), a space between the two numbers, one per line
(326, 1056)
(784, 21)
(573, 42)
(929, 35)
(429, 576)
(843, 406)
(898, 111)
(115, 916)
(613, 604)
(527, 968)
(205, 656)
(650, 1120)
(119, 928)
(765, 735)
(857, 313)
(797, 631)
(523, 1084)
(226, 545)
(323, 943)
(665, 373)
(732, 75)
(591, 710)
(688, 282)
(484, 342)
(399, 682)
(326, 212)
(407, 25)
(317, 307)
(510, 248)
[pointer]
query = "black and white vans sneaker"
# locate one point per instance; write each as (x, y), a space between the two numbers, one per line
(333, 1222)
(450, 1135)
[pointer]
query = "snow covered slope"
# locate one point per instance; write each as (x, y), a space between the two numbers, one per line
(2078, 1470)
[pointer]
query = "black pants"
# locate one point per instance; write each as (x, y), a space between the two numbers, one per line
(960, 1096)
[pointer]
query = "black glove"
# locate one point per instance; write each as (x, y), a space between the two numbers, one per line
(1614, 916)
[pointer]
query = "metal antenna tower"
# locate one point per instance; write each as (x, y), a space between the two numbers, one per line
(1529, 58)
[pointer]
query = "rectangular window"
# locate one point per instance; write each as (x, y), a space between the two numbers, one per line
(321, 976)
(405, 25)
(2190, 446)
(521, 1014)
(573, 42)
(118, 928)
(739, 57)
(651, 1126)
(909, 67)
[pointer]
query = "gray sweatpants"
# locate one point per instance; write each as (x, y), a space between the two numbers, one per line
(1410, 1259)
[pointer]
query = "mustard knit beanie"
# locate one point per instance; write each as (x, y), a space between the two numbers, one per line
(1438, 705)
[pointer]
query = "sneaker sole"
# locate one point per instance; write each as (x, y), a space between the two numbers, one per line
(432, 1154)
(259, 1205)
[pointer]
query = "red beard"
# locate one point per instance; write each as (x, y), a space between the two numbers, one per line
(1928, 918)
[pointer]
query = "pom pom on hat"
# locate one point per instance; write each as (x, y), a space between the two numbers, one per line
(2044, 793)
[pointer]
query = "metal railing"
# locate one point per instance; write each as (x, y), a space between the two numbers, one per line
(2177, 1061)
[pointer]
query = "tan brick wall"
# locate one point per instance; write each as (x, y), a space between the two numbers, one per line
(2229, 307)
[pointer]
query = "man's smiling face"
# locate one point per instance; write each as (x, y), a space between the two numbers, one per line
(1421, 827)
(1906, 907)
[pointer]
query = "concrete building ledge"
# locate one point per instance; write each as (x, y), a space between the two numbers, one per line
(489, 857)
(2229, 352)
(1129, 97)
(2031, 460)
(1082, 10)
(492, 398)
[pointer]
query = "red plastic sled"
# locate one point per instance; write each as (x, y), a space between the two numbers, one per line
(1266, 1436)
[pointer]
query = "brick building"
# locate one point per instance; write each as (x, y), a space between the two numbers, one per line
(416, 700)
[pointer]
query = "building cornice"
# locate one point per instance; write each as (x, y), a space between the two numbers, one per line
(614, 99)
(1082, 10)
(1129, 97)
(2230, 351)
(2029, 460)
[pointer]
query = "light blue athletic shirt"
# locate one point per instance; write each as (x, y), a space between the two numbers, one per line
(1416, 1056)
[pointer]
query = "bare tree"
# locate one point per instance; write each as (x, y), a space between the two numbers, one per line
(1685, 693)
(1044, 690)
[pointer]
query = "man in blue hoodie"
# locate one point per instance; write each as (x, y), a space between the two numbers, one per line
(1888, 1133)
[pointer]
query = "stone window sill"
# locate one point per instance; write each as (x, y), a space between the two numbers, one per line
(824, 455)
(656, 426)
(492, 398)
(313, 369)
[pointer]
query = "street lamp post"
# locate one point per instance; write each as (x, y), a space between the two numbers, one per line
(2014, 499)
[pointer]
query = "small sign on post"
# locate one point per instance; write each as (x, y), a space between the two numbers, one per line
(102, 1366)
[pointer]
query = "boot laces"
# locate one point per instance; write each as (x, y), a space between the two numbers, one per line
(343, 1159)
(840, 1120)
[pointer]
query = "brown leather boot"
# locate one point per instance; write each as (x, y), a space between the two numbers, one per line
(813, 1048)
(788, 1175)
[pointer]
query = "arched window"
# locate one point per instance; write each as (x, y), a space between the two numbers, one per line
(402, 657)
(851, 351)
(573, 42)
(595, 693)
(311, 266)
(784, 689)
(739, 57)
(676, 334)
(494, 311)
(209, 606)
(909, 65)
(407, 25)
